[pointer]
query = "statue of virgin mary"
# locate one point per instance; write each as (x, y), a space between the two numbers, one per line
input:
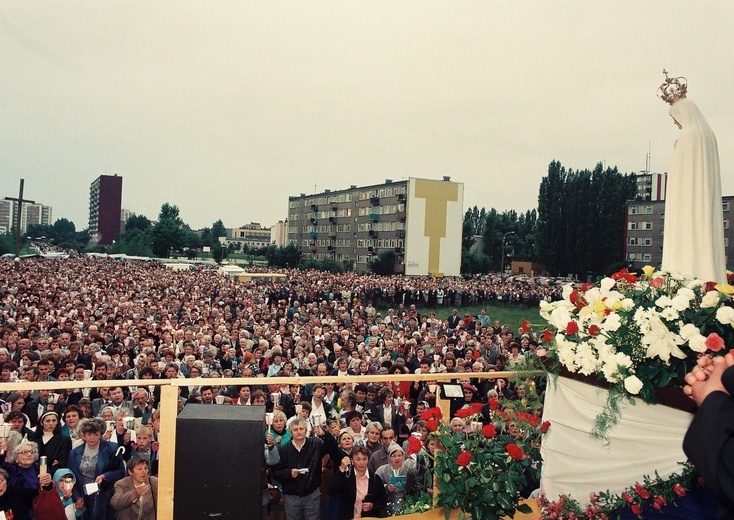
(693, 243)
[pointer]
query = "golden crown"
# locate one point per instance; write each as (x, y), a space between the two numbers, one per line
(672, 89)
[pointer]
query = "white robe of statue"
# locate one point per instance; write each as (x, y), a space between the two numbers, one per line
(693, 242)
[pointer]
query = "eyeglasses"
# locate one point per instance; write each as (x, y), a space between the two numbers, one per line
(27, 452)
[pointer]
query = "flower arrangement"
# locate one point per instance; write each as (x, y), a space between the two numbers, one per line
(637, 333)
(653, 494)
(482, 472)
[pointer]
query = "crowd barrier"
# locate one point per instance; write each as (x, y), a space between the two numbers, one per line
(169, 406)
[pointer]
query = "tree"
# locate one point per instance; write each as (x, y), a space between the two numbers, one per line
(288, 256)
(580, 221)
(218, 230)
(384, 263)
(138, 222)
(168, 233)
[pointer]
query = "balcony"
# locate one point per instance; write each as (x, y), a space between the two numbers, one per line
(374, 217)
(331, 248)
(332, 220)
(401, 197)
(375, 201)
(399, 250)
(314, 207)
(371, 249)
(313, 234)
(400, 233)
(313, 220)
(372, 232)
(334, 205)
(313, 248)
(401, 216)
(332, 234)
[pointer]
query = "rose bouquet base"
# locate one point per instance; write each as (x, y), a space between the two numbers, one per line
(438, 513)
(647, 439)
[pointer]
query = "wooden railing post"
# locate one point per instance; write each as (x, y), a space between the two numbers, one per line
(167, 461)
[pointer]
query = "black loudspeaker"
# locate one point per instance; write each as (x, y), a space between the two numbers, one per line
(219, 462)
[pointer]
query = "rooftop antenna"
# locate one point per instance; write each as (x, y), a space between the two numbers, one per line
(649, 157)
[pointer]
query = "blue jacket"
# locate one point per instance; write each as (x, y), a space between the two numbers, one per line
(113, 468)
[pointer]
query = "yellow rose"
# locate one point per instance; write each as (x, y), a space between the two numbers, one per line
(648, 270)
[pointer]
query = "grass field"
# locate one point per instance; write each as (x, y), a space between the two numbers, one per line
(511, 315)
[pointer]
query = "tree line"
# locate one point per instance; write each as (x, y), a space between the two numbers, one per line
(577, 229)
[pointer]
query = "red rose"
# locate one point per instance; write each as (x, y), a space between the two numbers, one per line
(431, 425)
(659, 501)
(656, 282)
(514, 451)
(636, 510)
(627, 498)
(494, 403)
(644, 493)
(586, 286)
(463, 413)
(476, 408)
(463, 459)
(547, 336)
(714, 342)
(489, 431)
(414, 445)
(525, 326)
(625, 275)
(432, 413)
(679, 490)
(709, 286)
(544, 427)
(572, 328)
(574, 296)
(594, 330)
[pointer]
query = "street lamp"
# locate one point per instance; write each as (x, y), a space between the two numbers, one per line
(502, 263)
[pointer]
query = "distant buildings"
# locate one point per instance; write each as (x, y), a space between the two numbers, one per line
(646, 225)
(252, 236)
(420, 220)
(651, 186)
(105, 206)
(279, 234)
(32, 214)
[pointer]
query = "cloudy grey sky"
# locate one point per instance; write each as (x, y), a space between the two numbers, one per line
(225, 108)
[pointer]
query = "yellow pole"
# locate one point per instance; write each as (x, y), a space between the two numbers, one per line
(167, 462)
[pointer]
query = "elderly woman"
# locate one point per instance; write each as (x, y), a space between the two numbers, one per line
(95, 462)
(136, 496)
(399, 476)
(21, 476)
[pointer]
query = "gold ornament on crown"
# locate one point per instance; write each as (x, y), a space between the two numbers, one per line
(672, 89)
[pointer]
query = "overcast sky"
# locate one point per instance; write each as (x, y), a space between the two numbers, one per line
(227, 108)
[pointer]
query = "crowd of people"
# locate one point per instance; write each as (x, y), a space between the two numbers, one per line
(82, 319)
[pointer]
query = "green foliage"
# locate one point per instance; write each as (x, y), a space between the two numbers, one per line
(167, 235)
(218, 229)
(322, 264)
(7, 243)
(581, 218)
(219, 252)
(288, 256)
(384, 264)
(133, 242)
(137, 222)
(475, 263)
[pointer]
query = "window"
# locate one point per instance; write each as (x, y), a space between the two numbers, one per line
(726, 224)
(725, 205)
(633, 226)
(634, 210)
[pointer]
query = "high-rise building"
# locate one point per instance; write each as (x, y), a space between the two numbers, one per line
(105, 206)
(279, 233)
(420, 220)
(646, 225)
(33, 213)
(651, 186)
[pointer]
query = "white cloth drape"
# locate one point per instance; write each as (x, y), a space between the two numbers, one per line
(647, 438)
(693, 242)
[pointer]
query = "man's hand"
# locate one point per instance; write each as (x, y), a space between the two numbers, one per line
(294, 473)
(706, 377)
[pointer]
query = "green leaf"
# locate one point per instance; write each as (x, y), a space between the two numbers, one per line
(524, 508)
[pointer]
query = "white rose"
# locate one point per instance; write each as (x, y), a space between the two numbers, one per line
(628, 304)
(688, 331)
(606, 284)
(725, 315)
(633, 384)
(698, 343)
(710, 299)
